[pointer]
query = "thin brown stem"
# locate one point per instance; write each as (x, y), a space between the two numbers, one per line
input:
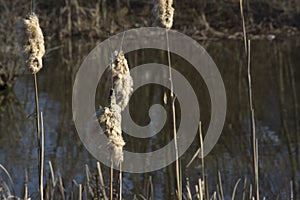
(202, 155)
(250, 101)
(120, 179)
(178, 181)
(235, 187)
(101, 180)
(79, 192)
(37, 111)
(42, 158)
(220, 186)
(111, 179)
(253, 131)
(26, 186)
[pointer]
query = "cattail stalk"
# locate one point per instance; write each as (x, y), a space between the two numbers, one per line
(31, 40)
(163, 14)
(110, 117)
(254, 143)
(121, 182)
(111, 181)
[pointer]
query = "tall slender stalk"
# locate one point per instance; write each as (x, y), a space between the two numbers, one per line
(26, 186)
(37, 111)
(101, 180)
(31, 40)
(79, 192)
(253, 131)
(250, 101)
(111, 179)
(42, 158)
(234, 189)
(178, 181)
(120, 179)
(163, 14)
(202, 157)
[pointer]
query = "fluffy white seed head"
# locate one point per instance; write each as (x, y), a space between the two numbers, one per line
(31, 40)
(163, 13)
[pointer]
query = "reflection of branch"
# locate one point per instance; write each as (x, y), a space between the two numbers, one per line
(284, 117)
(296, 107)
(11, 112)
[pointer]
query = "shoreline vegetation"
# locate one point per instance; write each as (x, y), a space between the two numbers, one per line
(203, 20)
(200, 19)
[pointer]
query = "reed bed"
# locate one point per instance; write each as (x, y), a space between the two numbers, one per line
(62, 19)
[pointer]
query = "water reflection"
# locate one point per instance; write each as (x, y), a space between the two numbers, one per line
(276, 102)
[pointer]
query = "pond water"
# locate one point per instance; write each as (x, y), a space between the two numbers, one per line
(276, 90)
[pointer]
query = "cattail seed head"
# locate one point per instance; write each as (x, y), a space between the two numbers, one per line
(163, 13)
(122, 81)
(110, 122)
(110, 117)
(31, 40)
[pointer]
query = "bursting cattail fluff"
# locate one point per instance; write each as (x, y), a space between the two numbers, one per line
(163, 13)
(110, 122)
(31, 40)
(122, 81)
(110, 117)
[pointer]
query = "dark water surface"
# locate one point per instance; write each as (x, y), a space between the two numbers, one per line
(276, 89)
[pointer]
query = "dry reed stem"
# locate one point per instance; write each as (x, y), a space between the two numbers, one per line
(221, 194)
(31, 40)
(234, 189)
(202, 157)
(250, 101)
(177, 164)
(9, 177)
(42, 158)
(101, 180)
(111, 180)
(26, 186)
(79, 192)
(244, 189)
(188, 189)
(163, 13)
(121, 182)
